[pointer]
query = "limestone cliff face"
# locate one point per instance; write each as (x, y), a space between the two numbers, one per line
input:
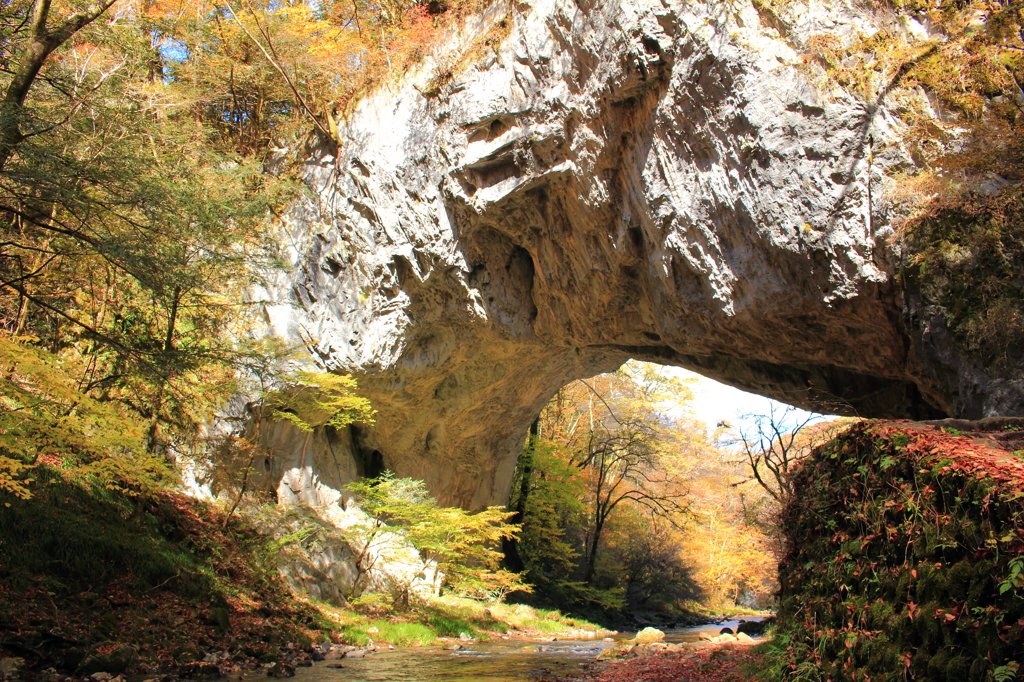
(652, 179)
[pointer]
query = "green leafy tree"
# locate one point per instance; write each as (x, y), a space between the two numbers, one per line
(126, 238)
(312, 400)
(549, 496)
(601, 454)
(406, 526)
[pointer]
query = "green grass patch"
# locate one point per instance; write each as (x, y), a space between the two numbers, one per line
(450, 617)
(447, 626)
(398, 633)
(545, 626)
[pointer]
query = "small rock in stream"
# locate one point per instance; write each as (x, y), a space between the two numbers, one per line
(280, 670)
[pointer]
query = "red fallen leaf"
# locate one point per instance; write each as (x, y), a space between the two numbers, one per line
(950, 617)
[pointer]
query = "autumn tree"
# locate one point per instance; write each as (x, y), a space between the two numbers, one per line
(127, 240)
(134, 208)
(643, 556)
(547, 502)
(598, 449)
(620, 454)
(621, 465)
(612, 436)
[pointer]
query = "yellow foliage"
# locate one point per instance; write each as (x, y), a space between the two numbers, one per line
(261, 71)
(317, 399)
(11, 472)
(46, 419)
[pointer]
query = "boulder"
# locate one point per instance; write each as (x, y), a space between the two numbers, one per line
(649, 635)
(751, 627)
(120, 659)
(280, 670)
(620, 650)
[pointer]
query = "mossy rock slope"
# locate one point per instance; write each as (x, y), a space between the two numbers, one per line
(906, 544)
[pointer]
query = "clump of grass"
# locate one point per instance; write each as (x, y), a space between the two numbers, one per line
(447, 626)
(398, 633)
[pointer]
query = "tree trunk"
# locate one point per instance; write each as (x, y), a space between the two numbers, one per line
(42, 43)
(588, 573)
(510, 546)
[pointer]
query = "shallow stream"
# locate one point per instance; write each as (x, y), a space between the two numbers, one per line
(490, 661)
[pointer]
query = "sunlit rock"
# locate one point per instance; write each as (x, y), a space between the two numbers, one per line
(647, 179)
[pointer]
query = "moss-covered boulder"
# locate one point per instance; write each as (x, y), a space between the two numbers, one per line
(906, 549)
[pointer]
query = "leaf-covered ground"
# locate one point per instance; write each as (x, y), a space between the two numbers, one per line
(724, 662)
(83, 569)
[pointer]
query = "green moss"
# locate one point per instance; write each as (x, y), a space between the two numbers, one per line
(880, 615)
(937, 664)
(977, 670)
(970, 256)
(940, 557)
(883, 656)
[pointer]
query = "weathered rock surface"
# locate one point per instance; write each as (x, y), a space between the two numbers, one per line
(648, 178)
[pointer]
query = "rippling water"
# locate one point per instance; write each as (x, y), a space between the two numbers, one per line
(493, 661)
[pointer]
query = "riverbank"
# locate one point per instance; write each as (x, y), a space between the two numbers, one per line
(161, 634)
(704, 662)
(95, 582)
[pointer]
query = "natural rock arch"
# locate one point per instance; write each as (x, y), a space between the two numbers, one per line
(617, 180)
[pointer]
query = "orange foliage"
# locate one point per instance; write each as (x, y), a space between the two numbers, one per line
(261, 71)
